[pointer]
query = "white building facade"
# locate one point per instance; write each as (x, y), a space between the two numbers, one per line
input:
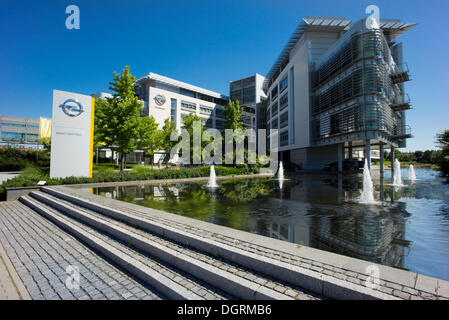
(166, 98)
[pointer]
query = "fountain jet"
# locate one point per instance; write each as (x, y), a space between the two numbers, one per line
(367, 196)
(281, 171)
(212, 183)
(397, 178)
(411, 173)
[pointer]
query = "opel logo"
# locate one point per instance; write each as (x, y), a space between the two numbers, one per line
(159, 99)
(72, 107)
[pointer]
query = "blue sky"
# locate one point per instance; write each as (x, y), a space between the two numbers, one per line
(205, 43)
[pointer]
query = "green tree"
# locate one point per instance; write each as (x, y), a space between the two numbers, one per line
(189, 123)
(443, 144)
(419, 156)
(117, 119)
(149, 137)
(166, 144)
(233, 114)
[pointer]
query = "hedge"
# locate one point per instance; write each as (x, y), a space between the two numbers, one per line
(31, 175)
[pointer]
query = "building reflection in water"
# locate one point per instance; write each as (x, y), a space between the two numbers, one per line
(310, 217)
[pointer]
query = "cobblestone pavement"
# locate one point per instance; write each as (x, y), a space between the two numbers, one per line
(388, 287)
(41, 252)
(191, 283)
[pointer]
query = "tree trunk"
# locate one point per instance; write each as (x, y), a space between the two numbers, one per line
(122, 165)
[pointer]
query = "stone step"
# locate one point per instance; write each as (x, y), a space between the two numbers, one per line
(259, 259)
(167, 280)
(229, 277)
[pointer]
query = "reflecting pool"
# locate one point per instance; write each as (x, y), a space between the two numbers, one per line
(407, 228)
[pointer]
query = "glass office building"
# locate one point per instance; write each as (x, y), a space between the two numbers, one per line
(16, 131)
(338, 87)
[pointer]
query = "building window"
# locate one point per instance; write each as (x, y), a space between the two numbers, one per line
(188, 106)
(186, 92)
(284, 138)
(13, 124)
(17, 136)
(219, 124)
(206, 110)
(208, 123)
(283, 84)
(249, 95)
(174, 106)
(283, 101)
(219, 112)
(205, 97)
(236, 95)
(32, 137)
(274, 93)
(283, 119)
(274, 109)
(274, 124)
(221, 102)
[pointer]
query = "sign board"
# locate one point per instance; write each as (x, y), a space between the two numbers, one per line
(72, 135)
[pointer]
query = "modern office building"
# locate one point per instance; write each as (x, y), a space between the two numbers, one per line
(164, 98)
(337, 86)
(16, 131)
(251, 96)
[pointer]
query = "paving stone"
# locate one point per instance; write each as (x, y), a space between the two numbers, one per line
(401, 294)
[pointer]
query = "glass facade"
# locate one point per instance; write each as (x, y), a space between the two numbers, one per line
(353, 91)
(19, 125)
(18, 136)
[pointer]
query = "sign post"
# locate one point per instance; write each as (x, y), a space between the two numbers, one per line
(72, 135)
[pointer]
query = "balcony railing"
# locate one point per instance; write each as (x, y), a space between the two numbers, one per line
(401, 133)
(401, 74)
(401, 104)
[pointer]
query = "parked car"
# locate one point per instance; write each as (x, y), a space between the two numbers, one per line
(348, 165)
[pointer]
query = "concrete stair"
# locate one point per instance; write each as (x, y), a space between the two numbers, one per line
(178, 264)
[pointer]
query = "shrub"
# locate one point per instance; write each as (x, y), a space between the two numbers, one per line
(14, 159)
